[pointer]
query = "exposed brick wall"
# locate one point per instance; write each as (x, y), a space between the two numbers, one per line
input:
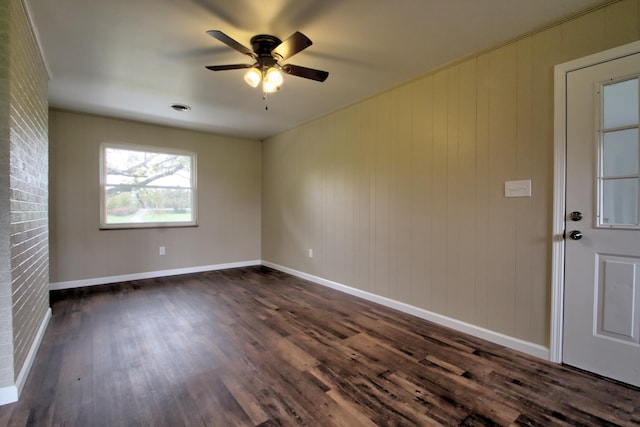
(26, 227)
(6, 321)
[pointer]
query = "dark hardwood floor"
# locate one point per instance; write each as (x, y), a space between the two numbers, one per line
(256, 347)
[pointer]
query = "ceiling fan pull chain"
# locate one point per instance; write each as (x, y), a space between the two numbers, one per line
(264, 98)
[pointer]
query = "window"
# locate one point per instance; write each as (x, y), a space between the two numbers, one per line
(146, 187)
(619, 155)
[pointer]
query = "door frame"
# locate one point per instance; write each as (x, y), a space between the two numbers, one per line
(559, 185)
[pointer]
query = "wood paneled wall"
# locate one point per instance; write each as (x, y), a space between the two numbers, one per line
(402, 194)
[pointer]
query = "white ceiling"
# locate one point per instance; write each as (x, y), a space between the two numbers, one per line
(133, 58)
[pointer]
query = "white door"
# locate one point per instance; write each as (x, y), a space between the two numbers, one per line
(602, 246)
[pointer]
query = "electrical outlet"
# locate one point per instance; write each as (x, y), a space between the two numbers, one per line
(162, 250)
(310, 253)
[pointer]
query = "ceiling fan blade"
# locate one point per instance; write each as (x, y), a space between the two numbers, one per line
(307, 73)
(219, 35)
(228, 67)
(294, 44)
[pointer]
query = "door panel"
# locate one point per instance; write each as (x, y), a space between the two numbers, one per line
(617, 316)
(602, 261)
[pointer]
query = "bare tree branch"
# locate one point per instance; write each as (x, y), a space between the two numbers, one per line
(142, 169)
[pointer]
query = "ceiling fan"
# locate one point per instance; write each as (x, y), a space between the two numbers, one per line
(267, 52)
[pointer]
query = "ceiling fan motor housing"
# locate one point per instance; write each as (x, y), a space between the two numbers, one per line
(263, 44)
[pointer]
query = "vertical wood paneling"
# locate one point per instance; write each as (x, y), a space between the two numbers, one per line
(351, 193)
(407, 187)
(481, 282)
(421, 196)
(404, 233)
(363, 214)
(502, 159)
(452, 187)
(439, 193)
(547, 51)
(302, 226)
(391, 140)
(382, 187)
(290, 234)
(314, 155)
(621, 21)
(326, 206)
(524, 230)
(584, 35)
(467, 237)
(373, 171)
(336, 173)
(307, 192)
(346, 189)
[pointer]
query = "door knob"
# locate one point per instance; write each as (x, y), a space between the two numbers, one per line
(575, 216)
(575, 235)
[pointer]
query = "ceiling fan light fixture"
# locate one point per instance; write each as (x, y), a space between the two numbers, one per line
(253, 77)
(267, 50)
(268, 87)
(272, 80)
(274, 76)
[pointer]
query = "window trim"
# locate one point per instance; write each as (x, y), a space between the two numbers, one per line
(144, 225)
(600, 177)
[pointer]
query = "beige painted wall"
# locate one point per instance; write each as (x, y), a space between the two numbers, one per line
(228, 202)
(401, 195)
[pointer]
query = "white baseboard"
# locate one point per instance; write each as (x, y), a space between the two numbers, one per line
(467, 328)
(8, 394)
(54, 286)
(31, 356)
(11, 393)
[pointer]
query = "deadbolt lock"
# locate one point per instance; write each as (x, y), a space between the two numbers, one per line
(575, 216)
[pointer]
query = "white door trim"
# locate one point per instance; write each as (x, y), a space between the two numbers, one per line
(559, 180)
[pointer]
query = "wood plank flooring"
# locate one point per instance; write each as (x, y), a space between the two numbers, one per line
(257, 347)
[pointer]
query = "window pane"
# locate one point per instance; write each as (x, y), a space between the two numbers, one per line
(147, 205)
(620, 153)
(620, 201)
(620, 104)
(147, 168)
(143, 187)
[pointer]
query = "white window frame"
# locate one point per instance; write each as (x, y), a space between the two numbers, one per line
(600, 178)
(136, 225)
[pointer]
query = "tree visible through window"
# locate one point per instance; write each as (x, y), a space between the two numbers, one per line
(144, 187)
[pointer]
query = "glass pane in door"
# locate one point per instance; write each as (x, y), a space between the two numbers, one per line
(620, 104)
(620, 153)
(620, 201)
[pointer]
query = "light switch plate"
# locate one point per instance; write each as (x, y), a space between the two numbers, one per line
(517, 188)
